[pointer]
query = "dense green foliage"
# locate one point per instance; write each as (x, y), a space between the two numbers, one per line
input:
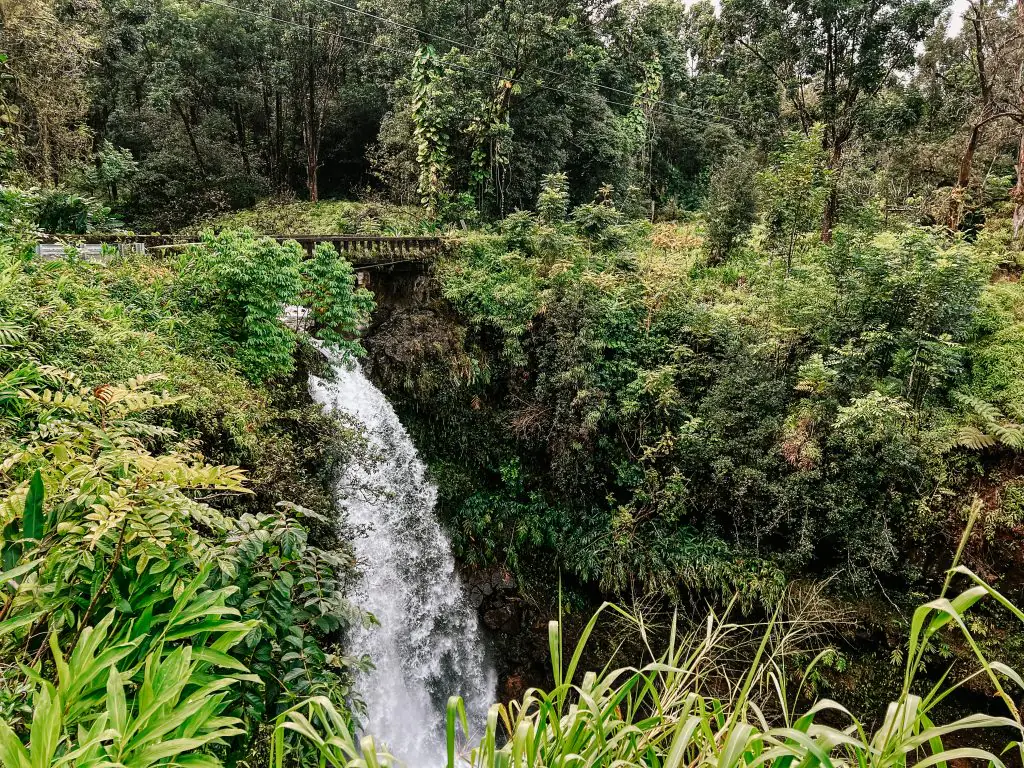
(172, 110)
(154, 605)
(249, 279)
(338, 308)
(730, 299)
(284, 217)
(616, 407)
(246, 280)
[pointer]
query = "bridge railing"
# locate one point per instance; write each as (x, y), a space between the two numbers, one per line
(361, 250)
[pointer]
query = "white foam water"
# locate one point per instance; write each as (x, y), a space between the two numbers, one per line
(428, 644)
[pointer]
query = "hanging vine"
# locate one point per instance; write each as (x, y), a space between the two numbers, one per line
(428, 129)
(640, 121)
(491, 132)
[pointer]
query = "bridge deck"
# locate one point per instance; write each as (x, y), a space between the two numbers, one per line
(361, 250)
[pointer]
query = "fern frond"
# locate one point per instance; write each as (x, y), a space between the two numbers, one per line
(60, 376)
(143, 381)
(136, 401)
(975, 439)
(982, 408)
(12, 382)
(12, 335)
(57, 399)
(142, 429)
(1010, 435)
(1016, 410)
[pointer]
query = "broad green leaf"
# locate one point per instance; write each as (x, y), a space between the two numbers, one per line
(32, 525)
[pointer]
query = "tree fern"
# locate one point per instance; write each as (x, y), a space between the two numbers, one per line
(989, 427)
(971, 437)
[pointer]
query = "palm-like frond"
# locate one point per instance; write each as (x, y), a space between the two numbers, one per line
(990, 428)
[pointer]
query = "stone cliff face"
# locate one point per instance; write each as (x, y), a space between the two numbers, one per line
(415, 344)
(516, 628)
(395, 286)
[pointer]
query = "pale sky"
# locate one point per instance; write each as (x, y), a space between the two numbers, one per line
(959, 6)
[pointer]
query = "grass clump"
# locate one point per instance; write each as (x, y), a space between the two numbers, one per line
(692, 705)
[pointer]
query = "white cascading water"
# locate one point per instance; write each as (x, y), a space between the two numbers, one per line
(428, 645)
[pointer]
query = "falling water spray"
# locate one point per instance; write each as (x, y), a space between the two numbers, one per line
(427, 646)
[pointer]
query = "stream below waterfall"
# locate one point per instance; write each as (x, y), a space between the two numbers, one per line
(428, 645)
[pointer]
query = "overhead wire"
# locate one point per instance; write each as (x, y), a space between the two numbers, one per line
(399, 51)
(391, 49)
(405, 25)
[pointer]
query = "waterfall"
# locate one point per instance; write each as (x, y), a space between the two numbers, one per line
(428, 645)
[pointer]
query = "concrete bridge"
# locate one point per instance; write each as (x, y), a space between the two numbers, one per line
(364, 251)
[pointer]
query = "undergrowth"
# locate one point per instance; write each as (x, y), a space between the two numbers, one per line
(330, 217)
(689, 704)
(171, 571)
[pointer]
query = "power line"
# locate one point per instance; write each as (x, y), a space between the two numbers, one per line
(401, 52)
(397, 51)
(405, 25)
(391, 49)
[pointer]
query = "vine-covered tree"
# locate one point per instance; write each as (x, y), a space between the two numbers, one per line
(44, 98)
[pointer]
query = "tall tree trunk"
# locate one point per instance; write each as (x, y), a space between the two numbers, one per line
(268, 119)
(279, 137)
(191, 135)
(311, 126)
(1017, 195)
(831, 212)
(967, 160)
(240, 129)
(312, 174)
(46, 169)
(963, 178)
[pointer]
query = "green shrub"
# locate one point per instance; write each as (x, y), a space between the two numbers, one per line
(672, 420)
(996, 358)
(247, 281)
(328, 217)
(730, 207)
(62, 212)
(339, 308)
(553, 200)
(491, 288)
